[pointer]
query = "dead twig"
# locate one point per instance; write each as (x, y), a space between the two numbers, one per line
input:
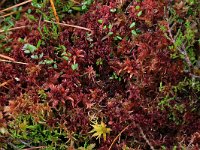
(195, 137)
(17, 5)
(4, 83)
(117, 137)
(33, 148)
(13, 146)
(144, 137)
(68, 25)
(182, 50)
(15, 28)
(141, 132)
(15, 62)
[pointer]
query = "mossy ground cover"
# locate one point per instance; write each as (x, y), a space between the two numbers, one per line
(105, 75)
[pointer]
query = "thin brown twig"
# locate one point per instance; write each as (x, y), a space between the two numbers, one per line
(117, 137)
(144, 137)
(190, 144)
(32, 148)
(15, 62)
(182, 50)
(15, 28)
(68, 25)
(4, 83)
(195, 136)
(14, 6)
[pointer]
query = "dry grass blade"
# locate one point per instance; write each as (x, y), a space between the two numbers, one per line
(17, 5)
(144, 137)
(11, 13)
(15, 62)
(54, 11)
(68, 25)
(6, 57)
(15, 28)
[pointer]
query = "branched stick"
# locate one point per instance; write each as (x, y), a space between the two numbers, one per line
(144, 137)
(182, 50)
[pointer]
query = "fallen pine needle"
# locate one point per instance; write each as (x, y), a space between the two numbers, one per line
(17, 5)
(68, 25)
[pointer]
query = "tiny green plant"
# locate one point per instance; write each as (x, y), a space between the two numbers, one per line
(29, 48)
(132, 25)
(74, 66)
(99, 61)
(25, 131)
(115, 77)
(87, 147)
(139, 13)
(113, 10)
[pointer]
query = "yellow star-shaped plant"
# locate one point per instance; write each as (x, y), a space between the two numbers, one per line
(100, 130)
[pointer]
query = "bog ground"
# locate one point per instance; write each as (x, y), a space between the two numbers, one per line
(100, 75)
